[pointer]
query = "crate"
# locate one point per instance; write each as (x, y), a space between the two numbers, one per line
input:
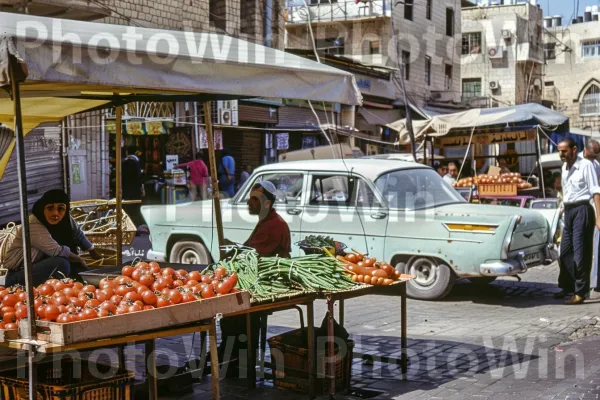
(142, 321)
(289, 358)
(69, 379)
(497, 189)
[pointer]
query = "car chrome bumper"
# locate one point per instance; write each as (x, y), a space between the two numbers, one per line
(504, 268)
(156, 256)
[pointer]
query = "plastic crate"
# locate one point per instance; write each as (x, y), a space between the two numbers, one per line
(69, 379)
(289, 359)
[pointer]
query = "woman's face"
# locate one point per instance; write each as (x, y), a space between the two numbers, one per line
(55, 212)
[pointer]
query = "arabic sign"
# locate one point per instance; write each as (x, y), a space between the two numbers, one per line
(489, 138)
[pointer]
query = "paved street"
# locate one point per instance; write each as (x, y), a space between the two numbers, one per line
(497, 343)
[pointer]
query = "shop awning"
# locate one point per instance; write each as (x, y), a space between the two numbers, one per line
(73, 66)
(440, 125)
(375, 116)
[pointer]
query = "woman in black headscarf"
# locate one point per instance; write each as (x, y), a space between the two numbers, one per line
(55, 238)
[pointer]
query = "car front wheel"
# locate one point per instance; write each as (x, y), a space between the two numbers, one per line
(186, 252)
(433, 279)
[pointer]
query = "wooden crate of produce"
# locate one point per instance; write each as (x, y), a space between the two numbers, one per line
(6, 335)
(119, 325)
(497, 189)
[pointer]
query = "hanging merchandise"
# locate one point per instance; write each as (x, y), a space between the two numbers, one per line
(283, 141)
(268, 141)
(180, 143)
(155, 128)
(135, 127)
(217, 138)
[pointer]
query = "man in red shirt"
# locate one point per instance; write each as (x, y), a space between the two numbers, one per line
(270, 238)
(198, 178)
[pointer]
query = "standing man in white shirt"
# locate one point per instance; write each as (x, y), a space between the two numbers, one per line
(580, 185)
(591, 153)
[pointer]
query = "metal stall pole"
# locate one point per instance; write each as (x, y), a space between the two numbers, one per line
(118, 184)
(20, 144)
(213, 174)
(538, 150)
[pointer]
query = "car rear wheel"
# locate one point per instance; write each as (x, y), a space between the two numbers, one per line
(186, 252)
(433, 279)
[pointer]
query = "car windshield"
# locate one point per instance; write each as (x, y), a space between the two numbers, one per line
(415, 189)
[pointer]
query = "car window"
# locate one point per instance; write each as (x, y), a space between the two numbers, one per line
(364, 197)
(288, 185)
(329, 190)
(416, 188)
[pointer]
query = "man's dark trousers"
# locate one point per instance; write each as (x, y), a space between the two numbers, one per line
(576, 248)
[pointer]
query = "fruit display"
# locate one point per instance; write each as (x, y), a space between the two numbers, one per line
(364, 269)
(509, 178)
(141, 287)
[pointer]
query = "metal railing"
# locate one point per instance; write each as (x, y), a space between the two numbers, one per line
(298, 13)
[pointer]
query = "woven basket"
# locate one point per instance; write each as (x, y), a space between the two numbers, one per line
(109, 258)
(107, 236)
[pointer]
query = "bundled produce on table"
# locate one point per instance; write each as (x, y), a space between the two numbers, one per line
(314, 244)
(509, 178)
(368, 270)
(271, 276)
(145, 286)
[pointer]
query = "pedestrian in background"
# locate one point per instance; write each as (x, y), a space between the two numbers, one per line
(591, 153)
(198, 177)
(452, 174)
(132, 186)
(580, 185)
(227, 173)
(245, 175)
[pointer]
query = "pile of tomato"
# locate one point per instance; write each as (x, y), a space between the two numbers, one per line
(144, 286)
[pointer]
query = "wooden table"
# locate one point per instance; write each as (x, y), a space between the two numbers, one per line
(397, 289)
(145, 337)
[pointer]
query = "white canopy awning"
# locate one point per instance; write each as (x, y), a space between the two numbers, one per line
(440, 125)
(75, 66)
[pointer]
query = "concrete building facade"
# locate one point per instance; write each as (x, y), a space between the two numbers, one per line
(501, 55)
(572, 78)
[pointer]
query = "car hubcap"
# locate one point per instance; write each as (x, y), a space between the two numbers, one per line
(425, 271)
(190, 257)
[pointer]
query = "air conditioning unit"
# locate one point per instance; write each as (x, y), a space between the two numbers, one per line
(494, 85)
(506, 34)
(496, 53)
(227, 112)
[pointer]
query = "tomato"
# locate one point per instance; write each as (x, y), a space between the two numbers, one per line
(196, 289)
(6, 309)
(88, 289)
(116, 299)
(11, 327)
(71, 292)
(188, 297)
(191, 283)
(102, 313)
(9, 317)
(168, 280)
(51, 312)
(10, 300)
(367, 279)
(122, 290)
(154, 267)
(134, 308)
(379, 273)
(37, 302)
(59, 285)
(205, 279)
(148, 308)
(41, 311)
(109, 306)
(165, 291)
(63, 318)
(63, 308)
(157, 287)
(163, 302)
(135, 275)
(78, 301)
(127, 270)
(89, 313)
(143, 265)
(175, 296)
(132, 296)
(105, 282)
(208, 291)
(141, 289)
(22, 296)
(168, 272)
(195, 276)
(149, 298)
(122, 280)
(60, 300)
(146, 280)
(220, 272)
(78, 285)
(353, 258)
(182, 273)
(93, 303)
(228, 284)
(122, 310)
(51, 282)
(178, 283)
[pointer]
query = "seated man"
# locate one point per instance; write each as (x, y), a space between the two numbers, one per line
(271, 237)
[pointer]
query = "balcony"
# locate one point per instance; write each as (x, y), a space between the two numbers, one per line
(323, 10)
(81, 10)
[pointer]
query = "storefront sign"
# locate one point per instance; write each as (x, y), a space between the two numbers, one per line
(171, 160)
(283, 141)
(489, 138)
(363, 83)
(376, 87)
(217, 139)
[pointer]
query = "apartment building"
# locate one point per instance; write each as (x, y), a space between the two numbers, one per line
(501, 54)
(572, 80)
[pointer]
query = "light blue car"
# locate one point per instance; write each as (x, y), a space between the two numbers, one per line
(400, 212)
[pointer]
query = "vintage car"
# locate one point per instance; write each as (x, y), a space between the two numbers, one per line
(402, 212)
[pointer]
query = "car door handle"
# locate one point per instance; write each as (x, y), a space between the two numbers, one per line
(294, 211)
(380, 215)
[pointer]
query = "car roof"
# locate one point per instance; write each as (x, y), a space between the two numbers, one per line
(370, 168)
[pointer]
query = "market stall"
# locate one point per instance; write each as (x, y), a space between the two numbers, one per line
(55, 81)
(483, 136)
